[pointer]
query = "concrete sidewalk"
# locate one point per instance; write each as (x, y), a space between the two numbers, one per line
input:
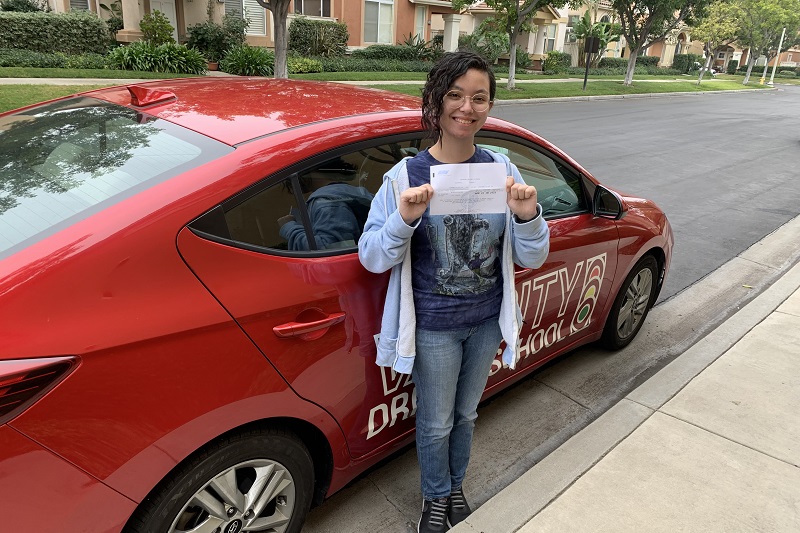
(709, 444)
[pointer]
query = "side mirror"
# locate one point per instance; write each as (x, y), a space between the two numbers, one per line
(607, 204)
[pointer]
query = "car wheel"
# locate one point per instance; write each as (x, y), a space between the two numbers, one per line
(254, 481)
(631, 305)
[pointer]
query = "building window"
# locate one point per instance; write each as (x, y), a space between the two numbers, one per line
(253, 11)
(313, 8)
(420, 14)
(721, 55)
(550, 37)
(378, 16)
(79, 5)
(789, 58)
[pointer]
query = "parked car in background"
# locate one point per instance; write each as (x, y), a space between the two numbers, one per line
(185, 347)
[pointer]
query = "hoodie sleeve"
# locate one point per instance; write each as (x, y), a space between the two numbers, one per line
(530, 240)
(386, 236)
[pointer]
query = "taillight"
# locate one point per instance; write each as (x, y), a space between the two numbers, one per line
(23, 381)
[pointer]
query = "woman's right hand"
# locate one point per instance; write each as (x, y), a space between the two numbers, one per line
(414, 201)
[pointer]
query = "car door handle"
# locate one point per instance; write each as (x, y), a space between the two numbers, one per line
(308, 330)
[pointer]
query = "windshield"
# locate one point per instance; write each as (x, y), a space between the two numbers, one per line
(63, 161)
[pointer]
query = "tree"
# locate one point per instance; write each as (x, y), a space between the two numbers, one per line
(716, 29)
(280, 12)
(759, 24)
(606, 32)
(646, 22)
(515, 17)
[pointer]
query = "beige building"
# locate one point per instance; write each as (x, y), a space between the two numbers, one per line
(368, 21)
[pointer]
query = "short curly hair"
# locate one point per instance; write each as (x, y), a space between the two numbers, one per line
(444, 73)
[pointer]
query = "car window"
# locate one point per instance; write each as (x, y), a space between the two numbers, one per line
(558, 186)
(321, 207)
(64, 160)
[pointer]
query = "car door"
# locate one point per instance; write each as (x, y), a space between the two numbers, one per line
(281, 257)
(560, 301)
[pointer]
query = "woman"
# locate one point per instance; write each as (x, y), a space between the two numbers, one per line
(451, 298)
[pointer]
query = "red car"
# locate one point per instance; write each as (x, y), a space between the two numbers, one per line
(172, 361)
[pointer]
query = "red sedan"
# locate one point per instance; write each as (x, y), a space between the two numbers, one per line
(184, 347)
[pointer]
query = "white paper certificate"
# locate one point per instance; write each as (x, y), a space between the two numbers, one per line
(468, 189)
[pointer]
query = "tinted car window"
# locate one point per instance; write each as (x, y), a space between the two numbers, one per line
(69, 158)
(320, 207)
(558, 186)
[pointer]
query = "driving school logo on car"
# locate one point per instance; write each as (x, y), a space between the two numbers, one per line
(400, 403)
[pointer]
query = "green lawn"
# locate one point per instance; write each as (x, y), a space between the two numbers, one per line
(26, 72)
(14, 96)
(593, 88)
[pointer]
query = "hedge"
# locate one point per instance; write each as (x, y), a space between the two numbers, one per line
(355, 64)
(318, 37)
(613, 62)
(686, 62)
(10, 57)
(76, 32)
(398, 52)
(556, 62)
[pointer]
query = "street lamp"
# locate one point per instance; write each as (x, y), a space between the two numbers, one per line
(777, 58)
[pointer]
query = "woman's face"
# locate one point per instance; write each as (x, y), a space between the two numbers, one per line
(466, 106)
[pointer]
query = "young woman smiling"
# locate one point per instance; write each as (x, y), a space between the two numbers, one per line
(451, 298)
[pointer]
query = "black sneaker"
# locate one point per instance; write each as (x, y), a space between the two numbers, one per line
(434, 516)
(458, 509)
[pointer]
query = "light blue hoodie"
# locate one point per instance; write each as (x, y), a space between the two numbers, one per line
(385, 243)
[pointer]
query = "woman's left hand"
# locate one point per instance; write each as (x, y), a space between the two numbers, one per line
(522, 199)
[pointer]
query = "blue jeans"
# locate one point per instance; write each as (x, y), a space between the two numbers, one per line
(450, 372)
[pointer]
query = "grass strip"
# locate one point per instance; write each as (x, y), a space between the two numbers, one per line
(26, 72)
(14, 96)
(594, 88)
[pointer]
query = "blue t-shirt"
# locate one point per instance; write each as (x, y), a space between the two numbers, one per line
(455, 259)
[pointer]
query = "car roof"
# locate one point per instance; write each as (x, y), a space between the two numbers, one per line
(237, 109)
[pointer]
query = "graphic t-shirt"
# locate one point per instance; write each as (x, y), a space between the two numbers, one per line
(455, 259)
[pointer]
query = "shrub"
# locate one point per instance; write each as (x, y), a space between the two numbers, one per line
(398, 52)
(23, 6)
(156, 28)
(355, 64)
(786, 74)
(303, 65)
(556, 62)
(686, 62)
(114, 24)
(168, 57)
(318, 37)
(523, 60)
(613, 62)
(244, 60)
(733, 64)
(424, 51)
(208, 38)
(488, 41)
(235, 29)
(10, 57)
(647, 61)
(78, 32)
(90, 61)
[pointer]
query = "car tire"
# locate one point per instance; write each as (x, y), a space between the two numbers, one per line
(631, 305)
(250, 481)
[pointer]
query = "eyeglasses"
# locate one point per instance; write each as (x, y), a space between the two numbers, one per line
(479, 102)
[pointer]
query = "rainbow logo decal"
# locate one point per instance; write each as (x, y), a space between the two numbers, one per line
(595, 268)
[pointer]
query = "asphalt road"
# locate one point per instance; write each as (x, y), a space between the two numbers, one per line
(723, 167)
